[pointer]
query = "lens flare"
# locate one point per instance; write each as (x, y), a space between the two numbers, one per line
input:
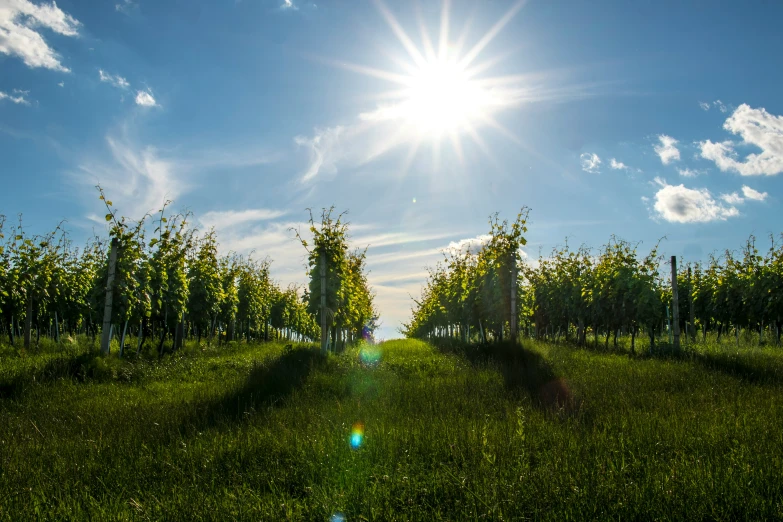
(357, 435)
(369, 355)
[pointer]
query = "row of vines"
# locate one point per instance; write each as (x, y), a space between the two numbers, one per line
(581, 294)
(170, 284)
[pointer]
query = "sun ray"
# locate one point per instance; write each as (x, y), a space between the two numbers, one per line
(373, 72)
(463, 36)
(457, 145)
(429, 50)
(443, 44)
(406, 164)
(491, 34)
(402, 36)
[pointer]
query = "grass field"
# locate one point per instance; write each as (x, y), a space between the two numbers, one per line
(267, 432)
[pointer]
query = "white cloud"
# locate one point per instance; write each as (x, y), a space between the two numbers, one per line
(288, 5)
(732, 199)
(667, 150)
(471, 245)
(19, 100)
(223, 219)
(617, 165)
(145, 99)
(704, 105)
(721, 107)
(324, 148)
(20, 21)
(690, 173)
(590, 162)
(678, 204)
(116, 80)
(125, 6)
(61, 84)
(137, 178)
(756, 127)
(753, 194)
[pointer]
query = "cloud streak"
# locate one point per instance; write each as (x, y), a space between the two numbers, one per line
(115, 80)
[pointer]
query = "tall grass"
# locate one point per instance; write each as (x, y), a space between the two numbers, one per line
(452, 433)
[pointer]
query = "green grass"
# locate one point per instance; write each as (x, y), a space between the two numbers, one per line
(262, 433)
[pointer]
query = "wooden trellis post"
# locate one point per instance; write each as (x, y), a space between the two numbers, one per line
(675, 305)
(324, 331)
(106, 331)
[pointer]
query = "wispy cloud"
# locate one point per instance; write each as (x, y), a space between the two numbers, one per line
(19, 99)
(619, 165)
(115, 80)
(722, 107)
(758, 128)
(61, 84)
(590, 162)
(324, 149)
(288, 5)
(20, 24)
(137, 177)
(125, 6)
(227, 218)
(667, 150)
(145, 99)
(690, 173)
(732, 199)
(679, 204)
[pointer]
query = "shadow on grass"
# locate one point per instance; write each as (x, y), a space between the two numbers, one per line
(755, 368)
(523, 371)
(268, 382)
(74, 366)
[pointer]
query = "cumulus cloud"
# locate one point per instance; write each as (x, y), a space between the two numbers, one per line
(619, 165)
(690, 173)
(755, 195)
(19, 99)
(288, 5)
(667, 149)
(590, 162)
(145, 99)
(679, 204)
(472, 245)
(116, 79)
(758, 128)
(20, 25)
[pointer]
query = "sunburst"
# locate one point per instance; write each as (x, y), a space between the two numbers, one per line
(441, 92)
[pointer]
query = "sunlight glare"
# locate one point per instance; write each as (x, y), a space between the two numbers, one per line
(442, 99)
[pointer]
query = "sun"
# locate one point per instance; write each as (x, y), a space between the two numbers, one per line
(441, 90)
(442, 99)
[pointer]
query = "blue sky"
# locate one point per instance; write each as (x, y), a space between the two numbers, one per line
(639, 119)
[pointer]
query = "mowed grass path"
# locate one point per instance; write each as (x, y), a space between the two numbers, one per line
(263, 433)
